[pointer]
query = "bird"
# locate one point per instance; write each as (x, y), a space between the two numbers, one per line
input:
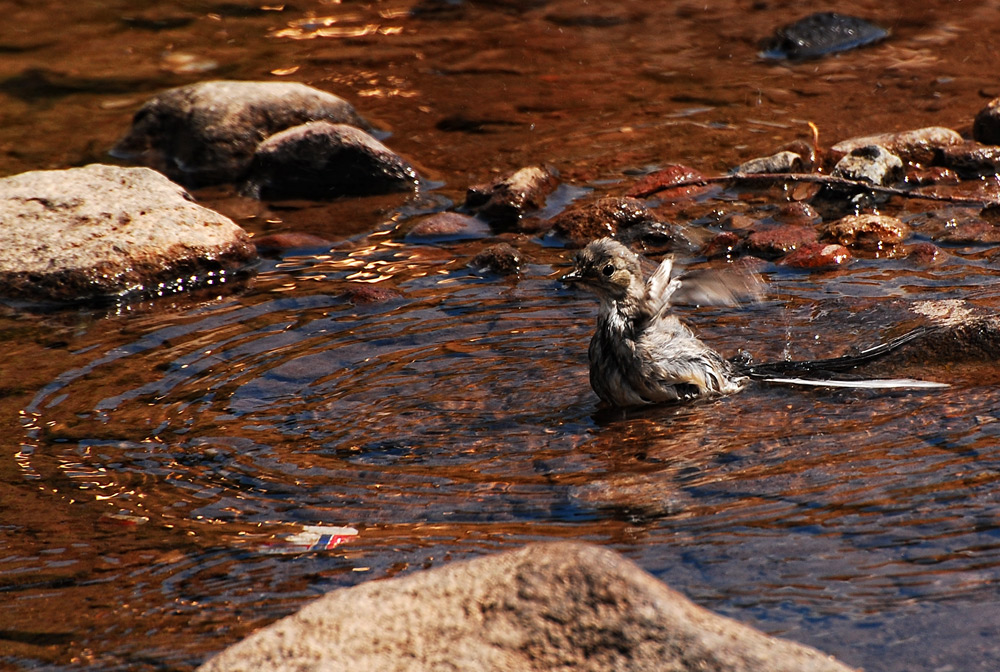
(641, 353)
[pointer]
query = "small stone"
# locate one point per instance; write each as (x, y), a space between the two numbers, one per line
(726, 244)
(872, 163)
(986, 127)
(778, 241)
(867, 232)
(659, 184)
(207, 133)
(923, 177)
(970, 231)
(320, 160)
(816, 255)
(925, 254)
(446, 227)
(782, 162)
(103, 233)
(603, 217)
(916, 146)
(821, 34)
(505, 201)
(502, 259)
(798, 213)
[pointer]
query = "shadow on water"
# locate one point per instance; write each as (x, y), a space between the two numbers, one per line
(159, 454)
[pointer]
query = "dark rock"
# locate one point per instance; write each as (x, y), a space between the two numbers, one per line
(964, 335)
(778, 241)
(557, 606)
(821, 34)
(444, 227)
(660, 183)
(816, 255)
(206, 133)
(872, 163)
(873, 233)
(603, 217)
(726, 244)
(986, 127)
(102, 233)
(917, 146)
(782, 162)
(970, 159)
(505, 201)
(502, 259)
(320, 160)
(925, 254)
(279, 242)
(925, 176)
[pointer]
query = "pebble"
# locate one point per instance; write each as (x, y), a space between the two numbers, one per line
(867, 232)
(872, 163)
(504, 201)
(782, 162)
(600, 218)
(501, 258)
(659, 184)
(816, 255)
(779, 240)
(821, 34)
(916, 146)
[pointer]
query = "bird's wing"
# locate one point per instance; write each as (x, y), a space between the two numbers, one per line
(660, 287)
(718, 287)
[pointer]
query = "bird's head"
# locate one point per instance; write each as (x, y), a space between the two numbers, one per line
(607, 268)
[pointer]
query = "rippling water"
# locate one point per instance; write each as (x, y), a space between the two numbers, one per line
(159, 455)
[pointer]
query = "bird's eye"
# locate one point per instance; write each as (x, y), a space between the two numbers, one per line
(608, 270)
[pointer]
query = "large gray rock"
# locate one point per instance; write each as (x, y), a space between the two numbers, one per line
(102, 232)
(206, 133)
(558, 606)
(320, 160)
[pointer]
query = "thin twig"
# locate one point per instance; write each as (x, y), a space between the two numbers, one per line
(816, 178)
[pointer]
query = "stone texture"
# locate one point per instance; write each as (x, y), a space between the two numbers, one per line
(872, 163)
(321, 160)
(206, 133)
(546, 607)
(970, 159)
(782, 162)
(816, 255)
(867, 232)
(779, 240)
(916, 146)
(500, 258)
(659, 184)
(503, 202)
(603, 217)
(104, 232)
(444, 227)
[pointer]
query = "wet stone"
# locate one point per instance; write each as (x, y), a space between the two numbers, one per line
(923, 177)
(726, 244)
(367, 294)
(971, 159)
(555, 606)
(274, 243)
(816, 255)
(503, 202)
(819, 35)
(986, 127)
(970, 231)
(798, 213)
(917, 146)
(778, 241)
(603, 217)
(502, 259)
(445, 227)
(660, 184)
(867, 232)
(207, 133)
(925, 254)
(782, 162)
(872, 163)
(320, 160)
(102, 233)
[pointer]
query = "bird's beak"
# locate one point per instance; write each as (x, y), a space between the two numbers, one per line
(572, 276)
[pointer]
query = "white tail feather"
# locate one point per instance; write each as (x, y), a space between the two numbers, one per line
(873, 384)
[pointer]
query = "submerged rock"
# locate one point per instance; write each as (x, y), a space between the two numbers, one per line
(777, 241)
(821, 34)
(816, 255)
(971, 159)
(206, 133)
(873, 233)
(445, 227)
(661, 183)
(556, 606)
(320, 160)
(501, 258)
(986, 127)
(872, 163)
(503, 202)
(600, 218)
(104, 232)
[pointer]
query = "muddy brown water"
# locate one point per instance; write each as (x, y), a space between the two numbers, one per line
(154, 454)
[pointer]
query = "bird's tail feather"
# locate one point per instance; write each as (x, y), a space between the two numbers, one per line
(822, 372)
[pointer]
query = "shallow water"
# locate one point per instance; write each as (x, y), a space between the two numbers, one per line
(156, 453)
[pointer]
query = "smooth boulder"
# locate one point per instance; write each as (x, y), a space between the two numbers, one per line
(207, 133)
(555, 606)
(321, 160)
(105, 232)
